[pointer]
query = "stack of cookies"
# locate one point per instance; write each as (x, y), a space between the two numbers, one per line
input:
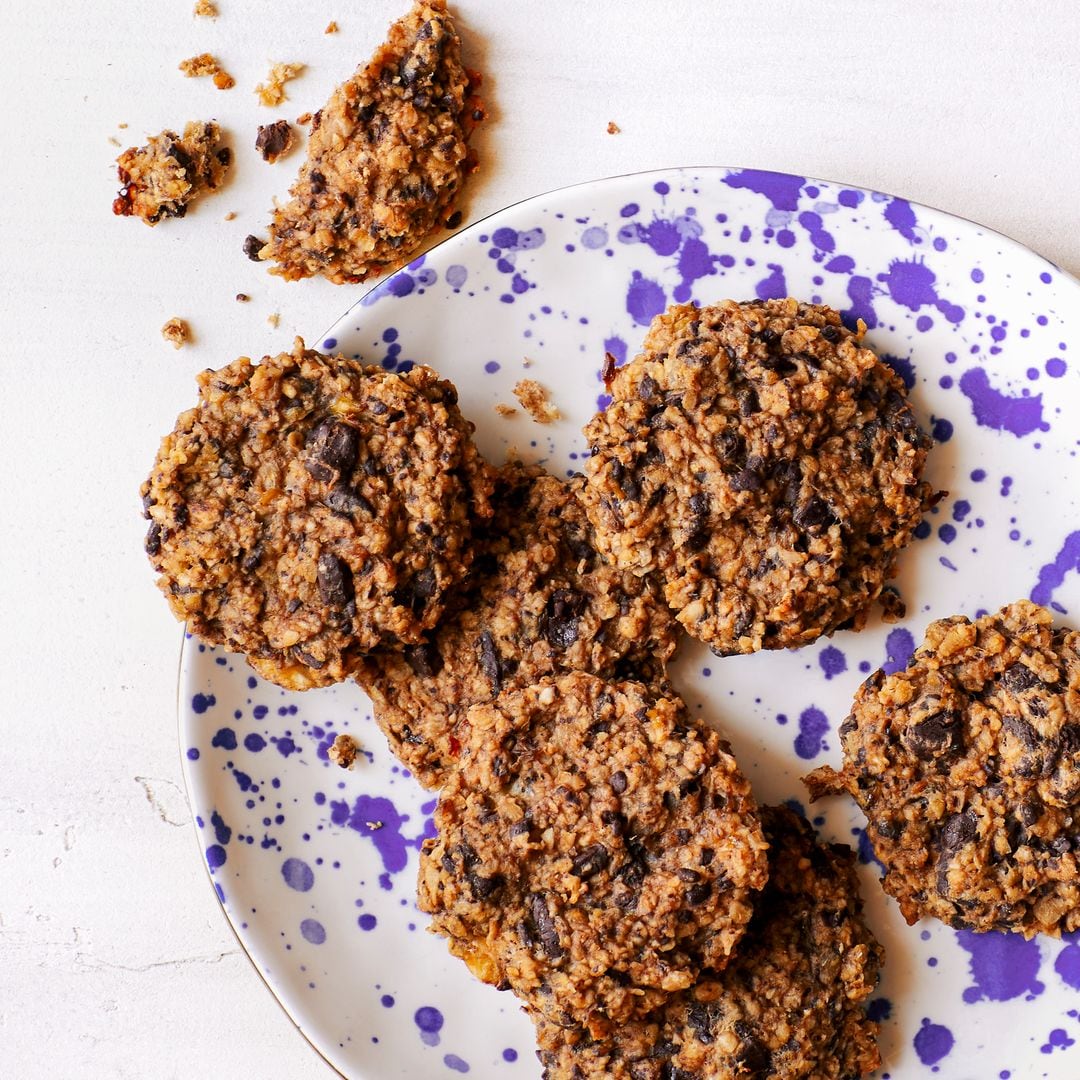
(599, 851)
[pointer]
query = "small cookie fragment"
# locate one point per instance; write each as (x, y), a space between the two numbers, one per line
(538, 601)
(613, 128)
(765, 464)
(331, 27)
(789, 1006)
(309, 509)
(505, 410)
(274, 140)
(967, 766)
(274, 319)
(596, 849)
(272, 92)
(385, 159)
(177, 332)
(205, 9)
(342, 751)
(536, 401)
(205, 64)
(162, 178)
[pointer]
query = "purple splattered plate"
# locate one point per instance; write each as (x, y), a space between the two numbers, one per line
(315, 867)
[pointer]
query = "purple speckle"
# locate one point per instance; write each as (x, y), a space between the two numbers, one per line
(504, 238)
(942, 429)
(193, 753)
(285, 746)
(879, 1009)
(1055, 367)
(367, 921)
(456, 276)
(978, 475)
(215, 856)
(510, 1054)
(452, 1061)
(773, 287)
(430, 1021)
(1058, 1039)
(780, 189)
(1004, 966)
(813, 726)
(225, 739)
(947, 533)
(377, 819)
(492, 366)
(1053, 573)
(1000, 411)
(222, 832)
(911, 284)
(899, 646)
(832, 661)
(330, 343)
(977, 275)
(1067, 965)
(297, 874)
(313, 931)
(617, 347)
(860, 292)
(902, 218)
(1044, 277)
(629, 210)
(933, 1042)
(201, 702)
(594, 237)
(661, 187)
(254, 742)
(842, 264)
(387, 1001)
(961, 509)
(902, 366)
(644, 299)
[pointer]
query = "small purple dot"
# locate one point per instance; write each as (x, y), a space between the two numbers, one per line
(367, 922)
(193, 753)
(387, 1001)
(1055, 367)
(510, 1054)
(215, 856)
(297, 874)
(313, 931)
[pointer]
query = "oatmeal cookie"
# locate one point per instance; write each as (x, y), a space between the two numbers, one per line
(595, 849)
(309, 509)
(790, 1003)
(538, 601)
(386, 157)
(162, 178)
(765, 464)
(967, 766)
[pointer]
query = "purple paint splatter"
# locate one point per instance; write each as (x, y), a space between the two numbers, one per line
(297, 874)
(1000, 411)
(832, 661)
(933, 1042)
(1052, 575)
(899, 646)
(1004, 966)
(813, 727)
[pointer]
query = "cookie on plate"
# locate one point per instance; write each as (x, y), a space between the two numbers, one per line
(386, 157)
(765, 464)
(162, 178)
(596, 848)
(539, 600)
(790, 1005)
(967, 766)
(310, 508)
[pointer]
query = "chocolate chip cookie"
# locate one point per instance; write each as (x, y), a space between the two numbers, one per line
(790, 1003)
(596, 848)
(967, 765)
(310, 508)
(386, 157)
(765, 464)
(538, 600)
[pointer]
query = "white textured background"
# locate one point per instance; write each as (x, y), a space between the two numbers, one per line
(115, 960)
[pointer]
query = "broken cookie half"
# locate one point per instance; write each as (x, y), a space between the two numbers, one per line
(386, 157)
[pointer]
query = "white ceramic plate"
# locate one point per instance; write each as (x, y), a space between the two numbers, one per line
(315, 867)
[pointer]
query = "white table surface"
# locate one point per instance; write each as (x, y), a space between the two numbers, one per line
(115, 960)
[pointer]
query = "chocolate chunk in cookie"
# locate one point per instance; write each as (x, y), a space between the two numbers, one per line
(386, 157)
(310, 509)
(967, 766)
(596, 849)
(764, 464)
(790, 1005)
(538, 601)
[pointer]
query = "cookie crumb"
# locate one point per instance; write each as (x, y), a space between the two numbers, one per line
(205, 9)
(197, 67)
(505, 410)
(331, 27)
(242, 297)
(121, 126)
(272, 92)
(613, 128)
(526, 362)
(274, 140)
(177, 331)
(343, 751)
(893, 608)
(304, 119)
(374, 826)
(252, 246)
(231, 215)
(115, 141)
(535, 401)
(274, 319)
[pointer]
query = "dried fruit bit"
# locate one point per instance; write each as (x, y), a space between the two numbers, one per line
(252, 246)
(242, 297)
(272, 92)
(205, 64)
(162, 178)
(613, 128)
(205, 9)
(342, 752)
(386, 157)
(331, 28)
(177, 331)
(274, 140)
(534, 399)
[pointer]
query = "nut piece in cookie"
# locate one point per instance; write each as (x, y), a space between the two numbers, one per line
(309, 509)
(386, 157)
(765, 464)
(538, 601)
(790, 1005)
(162, 178)
(596, 848)
(967, 766)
